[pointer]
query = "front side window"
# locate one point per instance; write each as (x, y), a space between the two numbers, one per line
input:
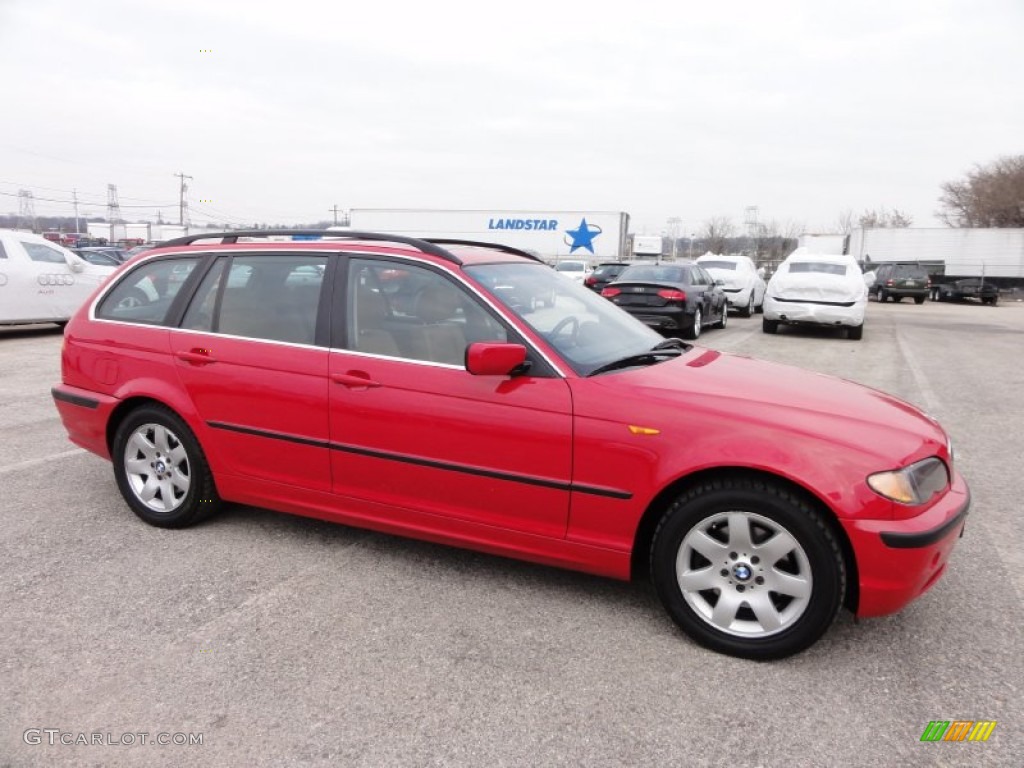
(587, 330)
(411, 312)
(43, 253)
(145, 294)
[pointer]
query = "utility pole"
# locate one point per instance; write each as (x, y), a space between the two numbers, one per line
(673, 232)
(335, 209)
(182, 204)
(74, 196)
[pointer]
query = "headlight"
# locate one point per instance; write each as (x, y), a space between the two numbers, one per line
(915, 484)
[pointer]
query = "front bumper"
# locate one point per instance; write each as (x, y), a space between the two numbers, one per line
(900, 560)
(797, 312)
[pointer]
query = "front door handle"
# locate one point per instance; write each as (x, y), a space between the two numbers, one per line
(354, 380)
(197, 356)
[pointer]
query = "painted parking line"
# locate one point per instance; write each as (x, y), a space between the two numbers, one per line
(41, 460)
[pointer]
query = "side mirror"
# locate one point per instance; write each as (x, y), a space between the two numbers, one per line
(485, 358)
(75, 264)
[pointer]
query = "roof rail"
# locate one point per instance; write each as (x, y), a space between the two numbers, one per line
(424, 246)
(478, 244)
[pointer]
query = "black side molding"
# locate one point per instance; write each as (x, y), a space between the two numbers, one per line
(84, 402)
(926, 538)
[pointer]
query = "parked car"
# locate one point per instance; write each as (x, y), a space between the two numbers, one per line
(139, 249)
(120, 255)
(387, 383)
(967, 288)
(816, 289)
(574, 270)
(673, 298)
(97, 257)
(895, 281)
(603, 274)
(743, 285)
(41, 281)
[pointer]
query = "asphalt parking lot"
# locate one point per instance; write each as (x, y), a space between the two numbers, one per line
(289, 641)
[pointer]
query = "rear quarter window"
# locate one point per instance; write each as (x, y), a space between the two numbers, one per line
(146, 293)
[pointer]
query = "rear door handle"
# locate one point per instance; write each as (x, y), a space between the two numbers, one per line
(196, 356)
(354, 380)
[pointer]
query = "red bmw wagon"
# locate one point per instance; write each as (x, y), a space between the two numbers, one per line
(433, 389)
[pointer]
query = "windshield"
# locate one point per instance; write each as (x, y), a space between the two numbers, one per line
(730, 265)
(586, 330)
(654, 274)
(822, 267)
(570, 266)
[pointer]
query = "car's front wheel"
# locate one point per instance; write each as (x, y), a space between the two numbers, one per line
(161, 470)
(747, 568)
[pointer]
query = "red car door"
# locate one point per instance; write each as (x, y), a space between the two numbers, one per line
(247, 356)
(411, 428)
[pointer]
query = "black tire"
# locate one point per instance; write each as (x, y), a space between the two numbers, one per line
(769, 326)
(855, 332)
(693, 332)
(919, 299)
(750, 309)
(724, 320)
(809, 575)
(883, 296)
(181, 486)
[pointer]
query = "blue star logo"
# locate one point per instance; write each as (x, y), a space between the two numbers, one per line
(583, 236)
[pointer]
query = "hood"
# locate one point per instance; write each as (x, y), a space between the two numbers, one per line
(756, 393)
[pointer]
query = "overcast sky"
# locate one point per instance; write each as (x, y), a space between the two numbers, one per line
(280, 110)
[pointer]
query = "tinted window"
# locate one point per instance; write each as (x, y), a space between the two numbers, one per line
(145, 294)
(202, 309)
(44, 253)
(414, 313)
(270, 297)
(911, 271)
(570, 266)
(821, 267)
(609, 270)
(656, 274)
(730, 265)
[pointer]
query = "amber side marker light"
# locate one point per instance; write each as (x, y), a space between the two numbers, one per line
(643, 430)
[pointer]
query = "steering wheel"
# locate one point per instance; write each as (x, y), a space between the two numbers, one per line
(562, 324)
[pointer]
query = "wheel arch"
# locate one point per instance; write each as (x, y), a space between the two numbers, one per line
(644, 536)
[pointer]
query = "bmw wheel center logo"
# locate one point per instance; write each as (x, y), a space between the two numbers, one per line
(742, 572)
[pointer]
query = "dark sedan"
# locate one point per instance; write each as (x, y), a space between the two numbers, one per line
(672, 298)
(604, 274)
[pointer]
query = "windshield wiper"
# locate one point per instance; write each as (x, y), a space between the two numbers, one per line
(654, 355)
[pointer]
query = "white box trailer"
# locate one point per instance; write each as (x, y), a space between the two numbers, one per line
(647, 246)
(593, 236)
(951, 253)
(828, 244)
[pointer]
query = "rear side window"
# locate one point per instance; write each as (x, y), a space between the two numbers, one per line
(911, 271)
(145, 294)
(43, 253)
(821, 267)
(273, 297)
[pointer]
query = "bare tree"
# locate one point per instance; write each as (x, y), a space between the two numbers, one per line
(844, 221)
(884, 218)
(990, 196)
(717, 230)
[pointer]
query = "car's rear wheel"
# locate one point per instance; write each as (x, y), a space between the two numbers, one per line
(749, 311)
(769, 326)
(694, 331)
(883, 296)
(855, 332)
(161, 470)
(747, 568)
(919, 299)
(725, 316)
